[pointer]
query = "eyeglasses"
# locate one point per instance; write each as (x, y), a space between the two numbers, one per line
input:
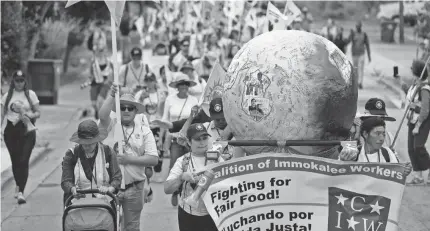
(128, 108)
(19, 80)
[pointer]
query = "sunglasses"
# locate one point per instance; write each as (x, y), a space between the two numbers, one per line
(128, 108)
(19, 80)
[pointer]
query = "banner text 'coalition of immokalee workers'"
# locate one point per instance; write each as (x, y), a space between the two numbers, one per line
(238, 195)
(276, 163)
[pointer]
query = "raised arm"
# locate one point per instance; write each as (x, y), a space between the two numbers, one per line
(106, 108)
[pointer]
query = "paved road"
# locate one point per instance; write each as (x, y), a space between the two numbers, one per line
(44, 208)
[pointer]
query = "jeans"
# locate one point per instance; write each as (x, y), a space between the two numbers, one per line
(132, 205)
(358, 62)
(418, 153)
(19, 146)
(188, 222)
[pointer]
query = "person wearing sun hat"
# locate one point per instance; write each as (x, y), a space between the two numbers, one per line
(199, 88)
(177, 106)
(139, 152)
(374, 107)
(90, 164)
(183, 178)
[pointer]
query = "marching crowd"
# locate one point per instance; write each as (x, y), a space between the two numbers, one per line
(161, 117)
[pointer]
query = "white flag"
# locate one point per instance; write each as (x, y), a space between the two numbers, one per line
(275, 17)
(291, 12)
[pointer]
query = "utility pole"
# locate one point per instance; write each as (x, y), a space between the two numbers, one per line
(401, 23)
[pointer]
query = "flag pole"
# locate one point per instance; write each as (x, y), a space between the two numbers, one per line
(409, 106)
(118, 127)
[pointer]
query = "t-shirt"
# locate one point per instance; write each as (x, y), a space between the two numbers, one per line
(140, 142)
(376, 157)
(195, 165)
(19, 97)
(176, 108)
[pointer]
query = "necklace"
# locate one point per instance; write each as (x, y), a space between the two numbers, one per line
(367, 157)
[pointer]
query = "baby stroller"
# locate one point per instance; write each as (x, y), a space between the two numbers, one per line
(91, 214)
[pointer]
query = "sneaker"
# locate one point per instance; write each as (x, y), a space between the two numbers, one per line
(21, 198)
(416, 181)
(174, 199)
(15, 195)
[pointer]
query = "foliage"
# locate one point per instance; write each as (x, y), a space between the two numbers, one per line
(54, 37)
(88, 11)
(11, 36)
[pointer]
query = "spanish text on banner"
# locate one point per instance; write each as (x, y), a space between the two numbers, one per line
(274, 192)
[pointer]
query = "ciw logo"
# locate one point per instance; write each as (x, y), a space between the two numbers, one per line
(350, 211)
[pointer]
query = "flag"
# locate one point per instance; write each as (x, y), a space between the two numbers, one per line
(275, 18)
(291, 12)
(251, 19)
(116, 8)
(214, 87)
(353, 211)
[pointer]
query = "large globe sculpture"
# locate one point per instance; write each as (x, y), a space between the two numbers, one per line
(290, 85)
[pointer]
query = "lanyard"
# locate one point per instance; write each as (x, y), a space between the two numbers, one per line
(379, 157)
(192, 162)
(128, 138)
(140, 74)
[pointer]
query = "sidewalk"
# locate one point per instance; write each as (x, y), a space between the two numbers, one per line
(54, 119)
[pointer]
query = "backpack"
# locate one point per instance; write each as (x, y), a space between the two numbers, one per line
(384, 154)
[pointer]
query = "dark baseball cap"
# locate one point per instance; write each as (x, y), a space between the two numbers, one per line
(196, 130)
(216, 109)
(376, 107)
(136, 51)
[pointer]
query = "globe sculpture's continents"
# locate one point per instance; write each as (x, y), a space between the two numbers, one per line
(290, 85)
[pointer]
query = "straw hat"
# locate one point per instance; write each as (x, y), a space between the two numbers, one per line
(88, 133)
(182, 78)
(127, 97)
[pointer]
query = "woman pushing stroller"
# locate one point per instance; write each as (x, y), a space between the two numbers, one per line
(90, 164)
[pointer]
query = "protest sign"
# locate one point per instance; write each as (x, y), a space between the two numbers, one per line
(275, 192)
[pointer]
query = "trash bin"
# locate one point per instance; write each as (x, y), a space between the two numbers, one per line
(387, 31)
(44, 79)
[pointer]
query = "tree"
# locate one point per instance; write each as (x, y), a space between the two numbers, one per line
(21, 23)
(401, 23)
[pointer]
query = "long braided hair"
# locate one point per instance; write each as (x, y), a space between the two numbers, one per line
(10, 92)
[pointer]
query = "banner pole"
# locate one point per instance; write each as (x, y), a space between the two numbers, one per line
(409, 106)
(116, 80)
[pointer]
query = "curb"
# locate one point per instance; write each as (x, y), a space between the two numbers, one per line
(7, 175)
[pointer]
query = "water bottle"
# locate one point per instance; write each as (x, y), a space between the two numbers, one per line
(202, 186)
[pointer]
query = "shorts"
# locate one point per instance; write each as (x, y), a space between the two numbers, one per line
(99, 89)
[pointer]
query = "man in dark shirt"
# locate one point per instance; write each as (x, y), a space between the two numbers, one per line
(339, 41)
(360, 46)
